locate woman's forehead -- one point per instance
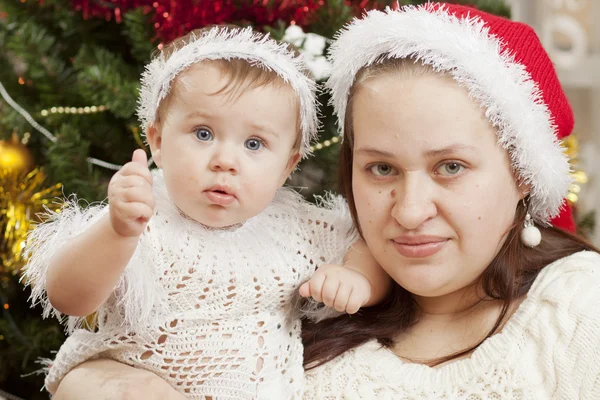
(431, 110)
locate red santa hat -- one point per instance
(503, 65)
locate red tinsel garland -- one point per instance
(175, 18)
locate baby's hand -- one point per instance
(130, 196)
(339, 287)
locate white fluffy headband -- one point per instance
(463, 48)
(232, 43)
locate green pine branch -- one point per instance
(140, 34)
(104, 78)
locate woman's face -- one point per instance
(435, 195)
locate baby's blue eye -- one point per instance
(203, 134)
(253, 144)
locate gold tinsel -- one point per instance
(22, 196)
(571, 145)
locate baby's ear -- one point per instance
(295, 158)
(154, 137)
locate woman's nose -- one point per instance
(414, 203)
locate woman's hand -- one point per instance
(111, 380)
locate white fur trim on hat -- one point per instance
(233, 43)
(464, 49)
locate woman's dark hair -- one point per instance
(508, 277)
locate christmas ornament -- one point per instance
(15, 156)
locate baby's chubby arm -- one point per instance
(358, 283)
(83, 273)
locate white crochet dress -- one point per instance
(549, 349)
(208, 310)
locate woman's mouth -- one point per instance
(419, 247)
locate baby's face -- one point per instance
(224, 157)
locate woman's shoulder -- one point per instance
(566, 294)
(351, 373)
(564, 322)
(359, 358)
(568, 277)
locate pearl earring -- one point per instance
(530, 235)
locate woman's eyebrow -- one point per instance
(370, 151)
(449, 150)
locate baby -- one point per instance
(190, 269)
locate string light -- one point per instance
(74, 110)
(6, 306)
(49, 134)
(326, 143)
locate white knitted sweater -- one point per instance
(549, 349)
(208, 310)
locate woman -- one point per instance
(452, 169)
(451, 118)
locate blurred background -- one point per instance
(69, 73)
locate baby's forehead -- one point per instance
(231, 79)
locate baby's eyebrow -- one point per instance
(197, 114)
(265, 129)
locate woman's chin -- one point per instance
(426, 284)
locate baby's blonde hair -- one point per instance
(241, 76)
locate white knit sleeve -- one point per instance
(45, 239)
(581, 328)
(571, 337)
(329, 228)
(137, 294)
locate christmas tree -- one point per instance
(69, 74)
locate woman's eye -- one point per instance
(382, 169)
(203, 134)
(253, 144)
(450, 169)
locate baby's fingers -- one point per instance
(341, 298)
(316, 286)
(355, 302)
(329, 292)
(136, 211)
(138, 195)
(305, 289)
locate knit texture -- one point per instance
(221, 324)
(549, 349)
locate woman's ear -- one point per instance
(523, 187)
(154, 137)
